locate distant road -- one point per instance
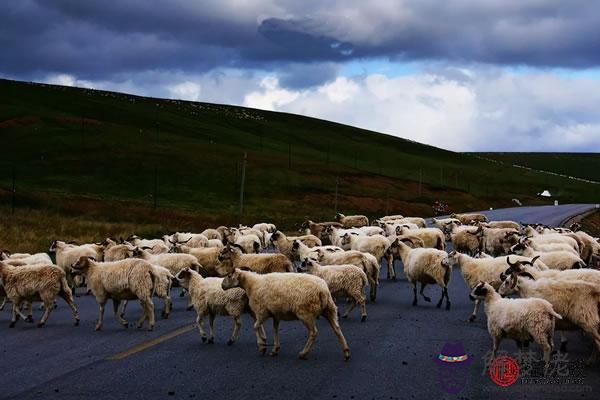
(392, 352)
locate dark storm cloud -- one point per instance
(99, 39)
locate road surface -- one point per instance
(392, 352)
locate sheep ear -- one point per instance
(245, 269)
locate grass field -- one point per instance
(88, 162)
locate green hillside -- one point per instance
(581, 165)
(106, 157)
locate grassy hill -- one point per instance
(90, 163)
(581, 165)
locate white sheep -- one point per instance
(343, 281)
(576, 301)
(300, 251)
(365, 261)
(155, 246)
(376, 245)
(209, 298)
(554, 259)
(518, 319)
(120, 280)
(352, 221)
(426, 265)
(231, 257)
(34, 283)
(287, 296)
(283, 244)
(432, 237)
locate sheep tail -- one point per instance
(554, 313)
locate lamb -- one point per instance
(554, 260)
(287, 296)
(466, 219)
(519, 319)
(284, 244)
(489, 270)
(347, 281)
(426, 265)
(33, 283)
(120, 280)
(577, 301)
(352, 221)
(432, 237)
(376, 245)
(365, 261)
(209, 298)
(260, 263)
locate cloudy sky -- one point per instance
(466, 75)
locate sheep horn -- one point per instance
(406, 240)
(512, 264)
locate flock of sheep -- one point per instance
(260, 271)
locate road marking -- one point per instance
(151, 343)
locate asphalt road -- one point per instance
(392, 352)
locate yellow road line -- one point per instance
(143, 346)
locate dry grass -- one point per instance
(591, 224)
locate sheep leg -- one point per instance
(14, 316)
(349, 308)
(276, 343)
(148, 314)
(200, 324)
(118, 316)
(447, 298)
(495, 343)
(21, 315)
(545, 344)
(48, 304)
(439, 303)
(331, 315)
(211, 328)
(124, 308)
(167, 308)
(237, 324)
(29, 306)
(68, 298)
(3, 304)
(427, 299)
(563, 342)
(261, 338)
(311, 326)
(100, 315)
(473, 316)
(414, 303)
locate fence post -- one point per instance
(242, 187)
(290, 155)
(420, 180)
(155, 195)
(12, 200)
(337, 182)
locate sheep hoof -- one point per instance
(472, 318)
(29, 319)
(164, 315)
(150, 328)
(303, 356)
(447, 305)
(427, 299)
(181, 294)
(274, 353)
(346, 355)
(203, 339)
(230, 342)
(98, 327)
(344, 316)
(77, 322)
(189, 308)
(40, 324)
(122, 315)
(363, 318)
(262, 351)
(211, 341)
(11, 325)
(126, 325)
(414, 303)
(373, 298)
(394, 278)
(439, 304)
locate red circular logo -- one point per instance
(504, 371)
